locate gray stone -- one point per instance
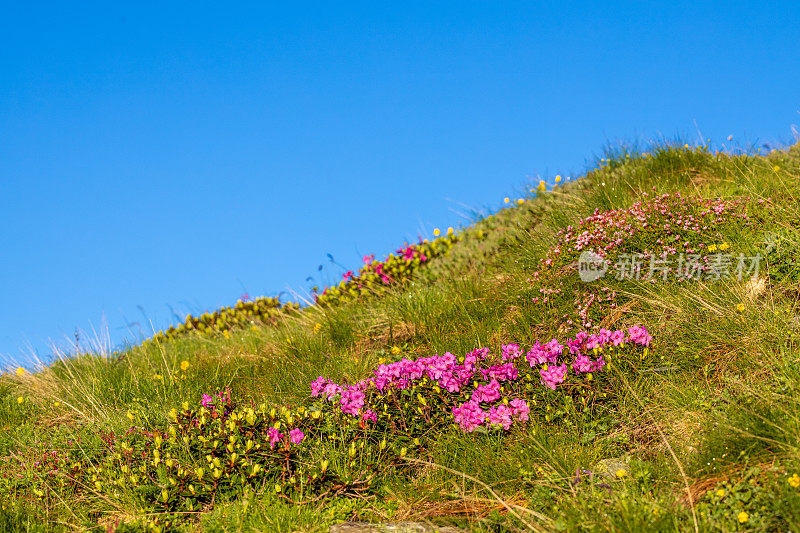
(393, 527)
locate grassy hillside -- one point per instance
(474, 380)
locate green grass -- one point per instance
(713, 407)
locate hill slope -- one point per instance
(488, 386)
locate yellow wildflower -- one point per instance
(776, 168)
(542, 186)
(742, 517)
(712, 248)
(794, 480)
(686, 145)
(395, 350)
(558, 179)
(450, 231)
(740, 307)
(20, 399)
(20, 371)
(721, 493)
(506, 199)
(184, 365)
(724, 246)
(436, 232)
(520, 201)
(621, 473)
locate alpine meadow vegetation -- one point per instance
(477, 378)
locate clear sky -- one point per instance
(176, 155)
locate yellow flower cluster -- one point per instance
(722, 247)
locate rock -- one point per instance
(393, 527)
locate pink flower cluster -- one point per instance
(208, 400)
(470, 416)
(296, 436)
(455, 375)
(678, 216)
(667, 223)
(409, 253)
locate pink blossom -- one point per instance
(592, 342)
(331, 390)
(521, 409)
(487, 393)
(351, 401)
(296, 436)
(583, 363)
(639, 335)
(500, 416)
(509, 352)
(469, 415)
(274, 436)
(317, 386)
(553, 375)
(504, 372)
(369, 415)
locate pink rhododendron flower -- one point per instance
(500, 415)
(487, 393)
(504, 372)
(583, 364)
(554, 348)
(369, 415)
(544, 353)
(352, 401)
(296, 436)
(469, 374)
(639, 335)
(509, 352)
(274, 436)
(553, 375)
(521, 409)
(592, 342)
(331, 390)
(469, 415)
(317, 386)
(207, 400)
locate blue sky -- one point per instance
(157, 157)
